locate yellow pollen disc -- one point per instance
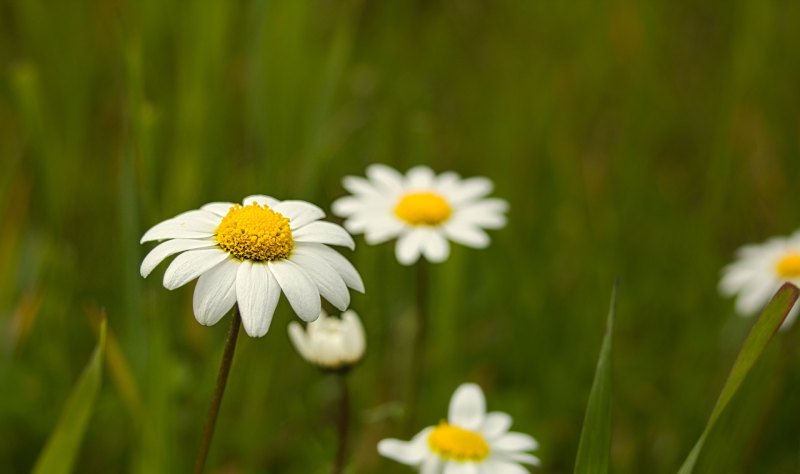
(255, 232)
(789, 266)
(423, 208)
(458, 444)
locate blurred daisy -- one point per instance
(471, 441)
(330, 343)
(759, 271)
(248, 254)
(421, 209)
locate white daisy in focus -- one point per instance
(249, 254)
(424, 211)
(759, 272)
(471, 441)
(330, 343)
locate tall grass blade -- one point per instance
(595, 441)
(768, 322)
(62, 447)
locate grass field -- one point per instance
(643, 141)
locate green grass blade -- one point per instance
(64, 443)
(767, 324)
(595, 441)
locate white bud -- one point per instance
(329, 342)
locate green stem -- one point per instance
(343, 424)
(419, 356)
(219, 391)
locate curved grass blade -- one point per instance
(767, 324)
(595, 443)
(58, 455)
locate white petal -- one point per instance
(386, 179)
(219, 208)
(171, 247)
(190, 265)
(487, 213)
(736, 277)
(419, 177)
(755, 296)
(791, 317)
(324, 233)
(343, 266)
(515, 442)
(401, 451)
(383, 229)
(466, 234)
(370, 218)
(215, 292)
(471, 189)
(467, 407)
(409, 246)
(522, 457)
(447, 182)
(314, 328)
(359, 223)
(257, 294)
(299, 213)
(435, 247)
(328, 350)
(499, 466)
(298, 287)
(431, 465)
(196, 224)
(407, 452)
(348, 205)
(495, 424)
(329, 283)
(454, 467)
(360, 187)
(355, 339)
(300, 339)
(260, 199)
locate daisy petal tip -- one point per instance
(258, 331)
(144, 272)
(147, 237)
(392, 448)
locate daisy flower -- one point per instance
(424, 211)
(471, 441)
(759, 271)
(330, 343)
(249, 254)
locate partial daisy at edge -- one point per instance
(759, 271)
(469, 441)
(249, 254)
(424, 211)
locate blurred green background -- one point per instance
(639, 140)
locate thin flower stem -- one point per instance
(219, 391)
(420, 345)
(342, 424)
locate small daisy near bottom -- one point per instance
(249, 254)
(469, 441)
(422, 210)
(758, 273)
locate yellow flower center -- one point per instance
(423, 208)
(789, 266)
(458, 444)
(255, 232)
